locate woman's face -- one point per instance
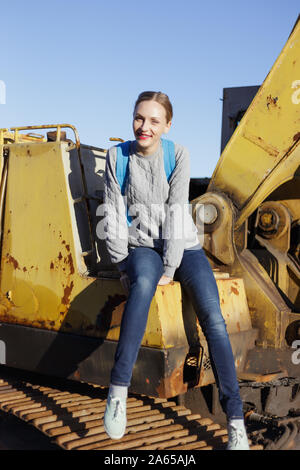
(149, 123)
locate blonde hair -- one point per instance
(160, 98)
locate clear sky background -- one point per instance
(84, 62)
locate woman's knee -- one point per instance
(213, 324)
(145, 284)
(145, 267)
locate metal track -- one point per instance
(74, 420)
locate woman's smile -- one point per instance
(143, 136)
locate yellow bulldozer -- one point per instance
(61, 299)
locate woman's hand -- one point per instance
(164, 280)
(125, 281)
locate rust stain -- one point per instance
(51, 265)
(68, 247)
(271, 101)
(234, 290)
(6, 303)
(70, 260)
(67, 292)
(67, 260)
(12, 260)
(296, 137)
(76, 374)
(238, 326)
(257, 140)
(172, 385)
(7, 316)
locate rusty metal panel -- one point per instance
(45, 281)
(41, 251)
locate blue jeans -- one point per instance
(144, 268)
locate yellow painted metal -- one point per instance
(37, 262)
(261, 155)
(258, 175)
(165, 326)
(44, 280)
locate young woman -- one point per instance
(150, 253)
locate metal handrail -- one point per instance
(48, 126)
(2, 135)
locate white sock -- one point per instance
(119, 391)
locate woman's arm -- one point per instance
(115, 214)
(174, 224)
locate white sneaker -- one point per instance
(237, 435)
(115, 417)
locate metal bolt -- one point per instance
(268, 220)
(208, 214)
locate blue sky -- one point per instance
(84, 62)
